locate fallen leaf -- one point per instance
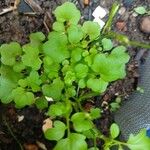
(47, 123)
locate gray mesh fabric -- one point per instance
(134, 113)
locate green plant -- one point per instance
(115, 105)
(141, 10)
(72, 65)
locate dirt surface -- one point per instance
(16, 26)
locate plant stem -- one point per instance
(88, 95)
(12, 134)
(68, 125)
(79, 105)
(112, 13)
(139, 44)
(125, 40)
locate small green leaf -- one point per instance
(57, 132)
(92, 29)
(56, 47)
(9, 53)
(82, 83)
(8, 82)
(97, 85)
(51, 68)
(69, 78)
(81, 70)
(41, 103)
(37, 37)
(81, 121)
(70, 91)
(5, 95)
(53, 90)
(22, 97)
(140, 10)
(76, 54)
(95, 113)
(73, 142)
(107, 44)
(57, 109)
(139, 141)
(31, 58)
(67, 13)
(58, 26)
(111, 66)
(34, 81)
(74, 34)
(114, 130)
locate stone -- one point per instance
(145, 24)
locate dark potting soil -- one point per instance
(16, 26)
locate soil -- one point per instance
(17, 25)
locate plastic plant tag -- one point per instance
(99, 21)
(99, 12)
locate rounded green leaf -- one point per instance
(74, 34)
(92, 29)
(97, 85)
(53, 90)
(58, 26)
(81, 70)
(9, 53)
(76, 54)
(56, 47)
(81, 121)
(140, 10)
(95, 113)
(31, 57)
(114, 130)
(139, 142)
(41, 103)
(67, 13)
(107, 44)
(57, 109)
(73, 142)
(57, 132)
(22, 97)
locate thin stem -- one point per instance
(139, 44)
(12, 134)
(79, 105)
(88, 95)
(125, 40)
(95, 143)
(68, 125)
(112, 14)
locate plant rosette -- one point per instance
(72, 64)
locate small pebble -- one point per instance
(121, 25)
(20, 118)
(122, 10)
(145, 24)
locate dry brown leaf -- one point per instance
(47, 124)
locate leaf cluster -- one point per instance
(73, 63)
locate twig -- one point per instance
(35, 7)
(12, 134)
(11, 8)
